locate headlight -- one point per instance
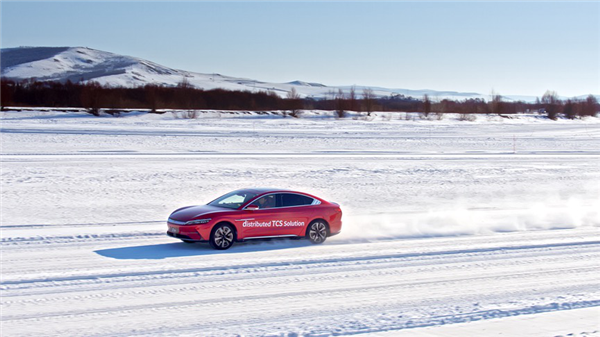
(197, 222)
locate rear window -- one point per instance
(289, 199)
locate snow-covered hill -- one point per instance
(85, 64)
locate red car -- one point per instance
(256, 213)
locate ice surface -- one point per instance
(451, 225)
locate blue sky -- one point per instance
(511, 47)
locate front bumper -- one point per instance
(185, 237)
(190, 233)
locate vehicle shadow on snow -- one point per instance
(180, 249)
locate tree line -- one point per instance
(93, 96)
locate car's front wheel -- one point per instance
(317, 231)
(221, 237)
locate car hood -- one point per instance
(191, 212)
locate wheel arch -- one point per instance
(315, 220)
(225, 222)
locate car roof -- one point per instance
(265, 190)
(261, 190)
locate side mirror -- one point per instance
(251, 207)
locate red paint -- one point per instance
(283, 217)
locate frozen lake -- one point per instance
(446, 222)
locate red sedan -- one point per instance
(256, 213)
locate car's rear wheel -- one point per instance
(317, 231)
(221, 237)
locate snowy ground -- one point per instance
(450, 228)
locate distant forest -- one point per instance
(93, 96)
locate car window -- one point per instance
(233, 200)
(268, 201)
(290, 199)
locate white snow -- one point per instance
(79, 63)
(574, 323)
(451, 228)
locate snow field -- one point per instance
(445, 227)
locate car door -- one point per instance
(295, 212)
(260, 222)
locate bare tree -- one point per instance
(496, 105)
(551, 104)
(6, 93)
(569, 110)
(368, 100)
(591, 106)
(340, 104)
(331, 99)
(294, 103)
(150, 91)
(184, 83)
(90, 97)
(426, 105)
(185, 94)
(446, 106)
(353, 104)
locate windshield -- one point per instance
(234, 199)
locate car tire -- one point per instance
(317, 231)
(222, 237)
(188, 241)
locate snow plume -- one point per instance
(553, 214)
(459, 220)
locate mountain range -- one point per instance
(81, 64)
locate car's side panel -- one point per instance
(255, 223)
(293, 220)
(279, 220)
(332, 214)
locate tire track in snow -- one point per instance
(75, 225)
(355, 291)
(259, 277)
(336, 260)
(71, 239)
(383, 285)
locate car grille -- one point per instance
(181, 236)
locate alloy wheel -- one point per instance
(317, 232)
(223, 237)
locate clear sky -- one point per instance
(516, 48)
